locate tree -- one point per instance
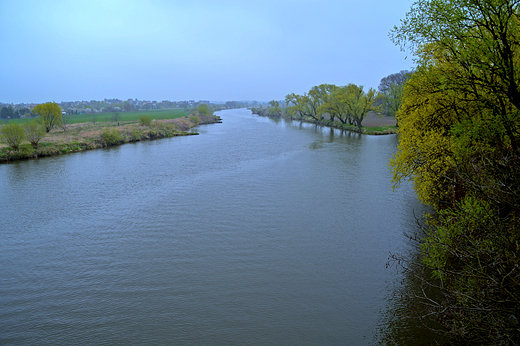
(391, 91)
(274, 110)
(34, 132)
(316, 97)
(24, 111)
(359, 103)
(203, 109)
(424, 152)
(127, 106)
(479, 42)
(12, 134)
(337, 105)
(398, 78)
(145, 120)
(116, 116)
(308, 104)
(65, 122)
(50, 113)
(349, 103)
(459, 143)
(298, 105)
(6, 112)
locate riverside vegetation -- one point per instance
(52, 134)
(343, 107)
(459, 143)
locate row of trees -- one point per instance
(346, 104)
(14, 134)
(459, 144)
(10, 112)
(50, 116)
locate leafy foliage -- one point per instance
(116, 117)
(12, 134)
(274, 110)
(145, 120)
(50, 113)
(194, 119)
(34, 132)
(111, 136)
(459, 144)
(391, 91)
(349, 103)
(6, 112)
(204, 109)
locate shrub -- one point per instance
(26, 150)
(12, 134)
(195, 119)
(34, 132)
(159, 125)
(145, 120)
(136, 135)
(111, 136)
(203, 109)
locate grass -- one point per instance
(80, 136)
(155, 114)
(381, 130)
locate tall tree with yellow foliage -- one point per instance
(50, 114)
(459, 144)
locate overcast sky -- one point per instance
(53, 50)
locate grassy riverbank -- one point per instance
(80, 136)
(372, 123)
(157, 114)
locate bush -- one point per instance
(136, 135)
(195, 119)
(159, 125)
(34, 132)
(145, 120)
(12, 134)
(111, 136)
(203, 109)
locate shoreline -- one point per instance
(370, 121)
(88, 136)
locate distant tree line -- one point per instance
(9, 112)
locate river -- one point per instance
(255, 232)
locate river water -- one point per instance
(255, 232)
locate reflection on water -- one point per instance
(406, 320)
(256, 232)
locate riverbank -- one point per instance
(372, 124)
(88, 136)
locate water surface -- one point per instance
(255, 232)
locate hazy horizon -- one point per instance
(198, 50)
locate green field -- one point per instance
(158, 114)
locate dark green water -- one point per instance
(256, 232)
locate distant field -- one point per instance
(159, 114)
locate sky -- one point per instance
(220, 50)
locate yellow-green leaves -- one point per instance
(12, 134)
(50, 113)
(348, 103)
(34, 132)
(459, 141)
